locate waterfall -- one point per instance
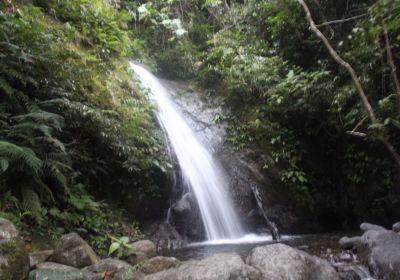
(199, 170)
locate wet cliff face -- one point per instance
(244, 173)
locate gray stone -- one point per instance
(348, 243)
(158, 264)
(114, 269)
(55, 271)
(134, 258)
(14, 259)
(40, 257)
(367, 226)
(379, 250)
(143, 246)
(281, 262)
(396, 227)
(72, 250)
(224, 266)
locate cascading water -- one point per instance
(199, 170)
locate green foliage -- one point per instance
(287, 99)
(73, 126)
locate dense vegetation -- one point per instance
(75, 129)
(290, 102)
(73, 125)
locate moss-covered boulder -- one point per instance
(14, 259)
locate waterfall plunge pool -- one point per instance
(315, 244)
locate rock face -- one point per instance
(225, 266)
(72, 250)
(165, 236)
(379, 249)
(14, 259)
(280, 262)
(158, 264)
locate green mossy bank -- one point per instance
(78, 139)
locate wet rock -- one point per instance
(346, 256)
(349, 243)
(353, 271)
(143, 246)
(279, 261)
(72, 250)
(40, 257)
(367, 226)
(224, 266)
(158, 264)
(114, 269)
(379, 250)
(14, 259)
(165, 236)
(55, 271)
(396, 227)
(186, 218)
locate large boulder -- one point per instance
(158, 264)
(280, 262)
(72, 250)
(14, 259)
(367, 226)
(55, 271)
(379, 249)
(114, 269)
(224, 266)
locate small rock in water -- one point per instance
(303, 247)
(349, 243)
(367, 226)
(396, 227)
(346, 256)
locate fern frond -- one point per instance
(6, 87)
(22, 155)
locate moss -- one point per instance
(17, 258)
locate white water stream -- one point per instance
(196, 162)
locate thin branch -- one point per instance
(338, 59)
(355, 133)
(393, 67)
(364, 99)
(340, 20)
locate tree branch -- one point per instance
(364, 99)
(340, 20)
(393, 67)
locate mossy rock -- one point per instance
(14, 259)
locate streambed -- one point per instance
(320, 245)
